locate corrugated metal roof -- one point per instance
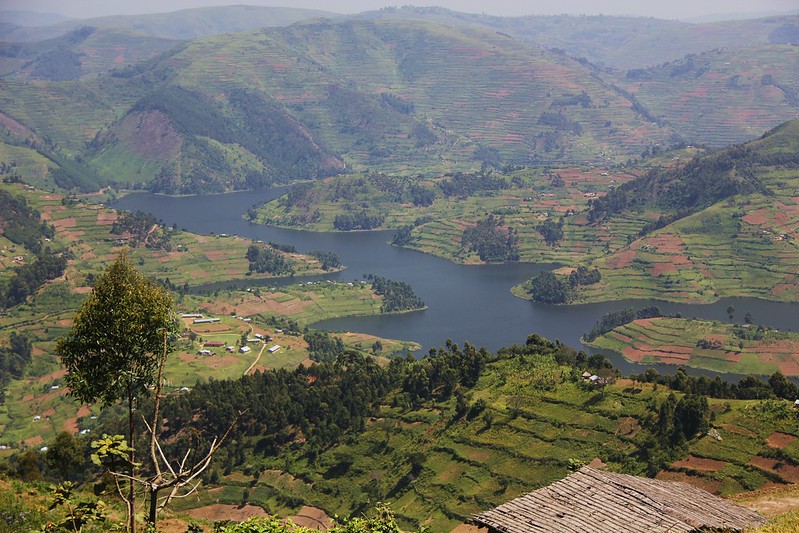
(592, 500)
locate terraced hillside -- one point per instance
(722, 225)
(740, 349)
(724, 96)
(524, 424)
(307, 100)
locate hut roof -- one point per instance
(592, 500)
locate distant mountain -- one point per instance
(83, 51)
(614, 42)
(179, 25)
(320, 97)
(31, 18)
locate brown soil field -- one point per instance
(702, 482)
(220, 511)
(699, 464)
(779, 440)
(787, 472)
(756, 218)
(312, 518)
(106, 218)
(667, 244)
(34, 441)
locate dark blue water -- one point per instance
(465, 303)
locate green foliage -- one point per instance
(397, 295)
(551, 231)
(549, 288)
(110, 447)
(615, 319)
(22, 224)
(264, 259)
(362, 220)
(322, 346)
(382, 521)
(329, 260)
(491, 241)
(28, 278)
(77, 514)
(112, 350)
(65, 456)
(14, 359)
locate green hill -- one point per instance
(398, 96)
(722, 225)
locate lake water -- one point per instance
(465, 303)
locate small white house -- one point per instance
(245, 349)
(204, 352)
(274, 348)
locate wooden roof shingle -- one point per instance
(594, 501)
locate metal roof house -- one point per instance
(595, 501)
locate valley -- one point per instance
(416, 256)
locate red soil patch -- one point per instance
(702, 482)
(52, 376)
(779, 440)
(734, 356)
(71, 425)
(623, 338)
(466, 528)
(667, 244)
(216, 255)
(787, 472)
(27, 398)
(677, 349)
(220, 511)
(312, 518)
(789, 368)
(661, 268)
(755, 218)
(65, 223)
(738, 430)
(33, 441)
(106, 218)
(699, 464)
(628, 426)
(621, 259)
(633, 354)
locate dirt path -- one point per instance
(263, 347)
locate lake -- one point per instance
(465, 303)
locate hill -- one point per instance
(615, 42)
(309, 99)
(724, 96)
(177, 25)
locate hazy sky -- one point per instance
(650, 8)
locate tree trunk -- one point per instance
(153, 490)
(131, 458)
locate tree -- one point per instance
(112, 351)
(65, 455)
